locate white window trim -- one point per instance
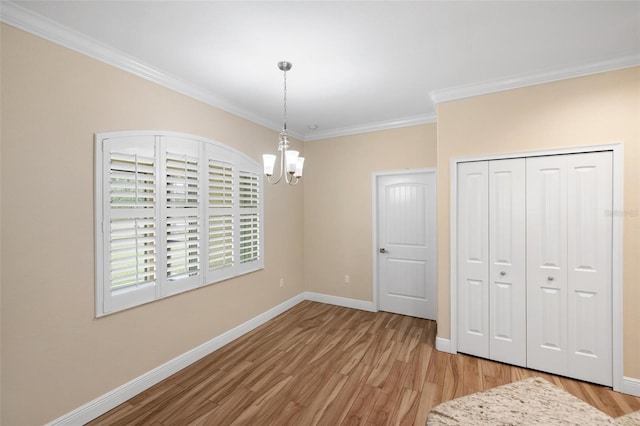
(108, 301)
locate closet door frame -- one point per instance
(451, 345)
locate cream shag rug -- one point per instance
(532, 401)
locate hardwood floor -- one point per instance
(328, 365)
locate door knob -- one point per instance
(503, 273)
(383, 250)
(549, 278)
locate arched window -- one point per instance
(173, 212)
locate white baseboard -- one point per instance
(340, 301)
(443, 345)
(112, 399)
(631, 386)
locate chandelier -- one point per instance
(290, 162)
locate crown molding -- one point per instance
(26, 20)
(476, 89)
(372, 127)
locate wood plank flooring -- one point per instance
(328, 365)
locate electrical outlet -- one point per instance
(347, 279)
(281, 282)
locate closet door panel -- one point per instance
(589, 266)
(507, 278)
(546, 190)
(473, 259)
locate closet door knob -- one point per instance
(549, 278)
(503, 273)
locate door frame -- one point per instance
(375, 177)
(616, 259)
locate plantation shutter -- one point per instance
(182, 215)
(250, 241)
(173, 212)
(220, 215)
(130, 225)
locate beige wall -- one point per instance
(337, 203)
(55, 355)
(598, 109)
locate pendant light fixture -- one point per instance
(290, 162)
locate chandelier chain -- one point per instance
(284, 123)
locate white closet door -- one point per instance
(547, 264)
(569, 225)
(507, 275)
(589, 266)
(473, 258)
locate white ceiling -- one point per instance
(357, 65)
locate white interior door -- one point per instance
(473, 258)
(407, 244)
(507, 273)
